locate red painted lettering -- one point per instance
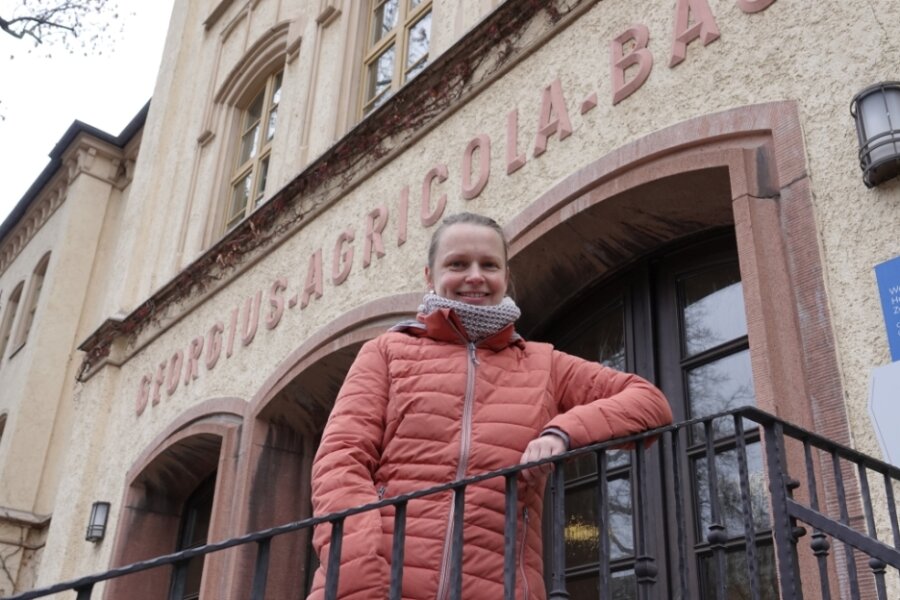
(552, 103)
(402, 215)
(158, 381)
(754, 6)
(704, 27)
(214, 345)
(194, 352)
(514, 161)
(620, 61)
(250, 318)
(174, 375)
(481, 144)
(342, 258)
(143, 395)
(276, 302)
(232, 327)
(430, 217)
(313, 284)
(376, 221)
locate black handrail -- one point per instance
(673, 444)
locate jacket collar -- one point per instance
(443, 325)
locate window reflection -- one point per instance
(737, 576)
(581, 531)
(417, 49)
(729, 492)
(622, 586)
(385, 19)
(398, 48)
(380, 73)
(713, 308)
(719, 386)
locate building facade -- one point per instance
(179, 304)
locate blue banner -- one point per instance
(888, 276)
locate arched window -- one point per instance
(397, 44)
(34, 292)
(9, 316)
(253, 151)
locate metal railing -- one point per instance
(731, 526)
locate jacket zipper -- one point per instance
(522, 572)
(464, 448)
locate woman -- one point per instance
(455, 393)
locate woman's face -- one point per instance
(469, 265)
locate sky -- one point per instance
(40, 97)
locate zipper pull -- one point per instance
(381, 491)
(472, 355)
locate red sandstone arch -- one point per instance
(203, 440)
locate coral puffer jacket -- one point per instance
(420, 407)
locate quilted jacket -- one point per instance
(421, 407)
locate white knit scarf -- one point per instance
(480, 321)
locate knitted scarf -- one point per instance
(480, 321)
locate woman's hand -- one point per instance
(541, 447)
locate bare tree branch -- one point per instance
(76, 25)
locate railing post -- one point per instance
(84, 593)
(397, 551)
(717, 535)
(746, 508)
(509, 537)
(645, 568)
(781, 522)
(680, 513)
(261, 572)
(603, 579)
(456, 549)
(334, 559)
(557, 534)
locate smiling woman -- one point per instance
(453, 393)
(33, 112)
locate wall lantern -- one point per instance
(97, 524)
(876, 111)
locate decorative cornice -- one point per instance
(494, 46)
(50, 188)
(85, 155)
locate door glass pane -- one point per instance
(584, 587)
(600, 338)
(581, 531)
(385, 19)
(719, 386)
(737, 578)
(712, 308)
(729, 492)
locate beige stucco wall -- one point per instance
(786, 52)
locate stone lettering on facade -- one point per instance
(628, 51)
